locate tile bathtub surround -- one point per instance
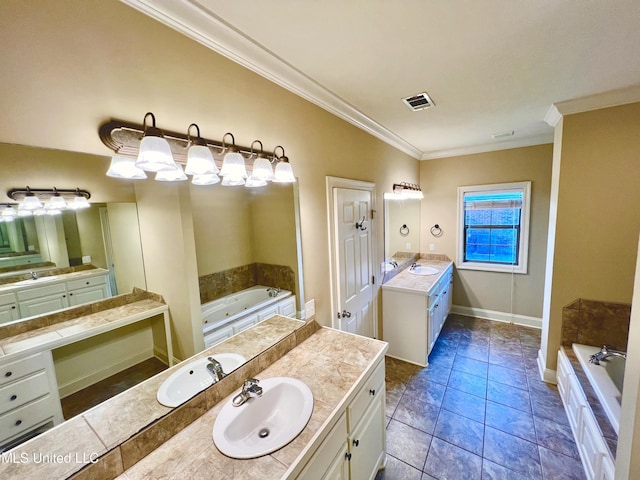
(591, 322)
(479, 410)
(46, 320)
(220, 284)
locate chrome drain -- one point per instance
(263, 433)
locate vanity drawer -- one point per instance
(373, 387)
(86, 282)
(44, 291)
(13, 371)
(15, 394)
(25, 417)
(8, 298)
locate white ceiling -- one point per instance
(490, 66)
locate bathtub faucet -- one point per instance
(273, 292)
(604, 353)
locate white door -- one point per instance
(352, 216)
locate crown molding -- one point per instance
(490, 147)
(608, 99)
(200, 24)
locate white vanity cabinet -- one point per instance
(355, 447)
(88, 290)
(29, 401)
(412, 319)
(39, 300)
(8, 307)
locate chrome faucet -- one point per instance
(394, 263)
(413, 266)
(250, 389)
(215, 369)
(273, 292)
(604, 353)
(34, 275)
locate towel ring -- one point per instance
(404, 230)
(436, 231)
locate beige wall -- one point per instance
(397, 214)
(598, 219)
(440, 180)
(74, 66)
(91, 240)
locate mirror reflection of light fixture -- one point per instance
(32, 201)
(199, 157)
(233, 171)
(56, 202)
(123, 167)
(155, 152)
(175, 175)
(283, 171)
(8, 213)
(209, 179)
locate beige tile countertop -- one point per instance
(50, 279)
(422, 284)
(330, 362)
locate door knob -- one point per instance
(344, 314)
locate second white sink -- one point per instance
(194, 377)
(264, 424)
(423, 270)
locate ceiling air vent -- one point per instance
(419, 101)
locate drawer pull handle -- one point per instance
(347, 456)
(18, 423)
(13, 397)
(372, 391)
(8, 374)
(356, 442)
(87, 283)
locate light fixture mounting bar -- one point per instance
(46, 193)
(124, 139)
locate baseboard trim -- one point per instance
(546, 374)
(94, 377)
(514, 318)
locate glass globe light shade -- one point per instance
(284, 173)
(254, 182)
(233, 166)
(232, 181)
(30, 202)
(79, 202)
(262, 170)
(200, 161)
(56, 202)
(122, 167)
(175, 175)
(155, 155)
(209, 179)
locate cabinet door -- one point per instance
(330, 461)
(8, 313)
(40, 305)
(366, 442)
(87, 295)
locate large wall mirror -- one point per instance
(401, 229)
(233, 227)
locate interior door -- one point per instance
(352, 214)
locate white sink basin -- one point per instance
(264, 424)
(33, 281)
(194, 377)
(423, 270)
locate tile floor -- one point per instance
(478, 411)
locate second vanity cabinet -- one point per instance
(8, 307)
(29, 401)
(412, 318)
(355, 447)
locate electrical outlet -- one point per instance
(310, 308)
(408, 246)
(432, 247)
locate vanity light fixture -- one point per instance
(407, 190)
(262, 171)
(30, 201)
(283, 171)
(233, 171)
(199, 157)
(206, 160)
(123, 167)
(176, 175)
(8, 213)
(155, 152)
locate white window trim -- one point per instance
(523, 248)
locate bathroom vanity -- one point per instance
(414, 309)
(29, 398)
(44, 294)
(133, 436)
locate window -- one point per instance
(493, 230)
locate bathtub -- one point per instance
(229, 315)
(606, 380)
